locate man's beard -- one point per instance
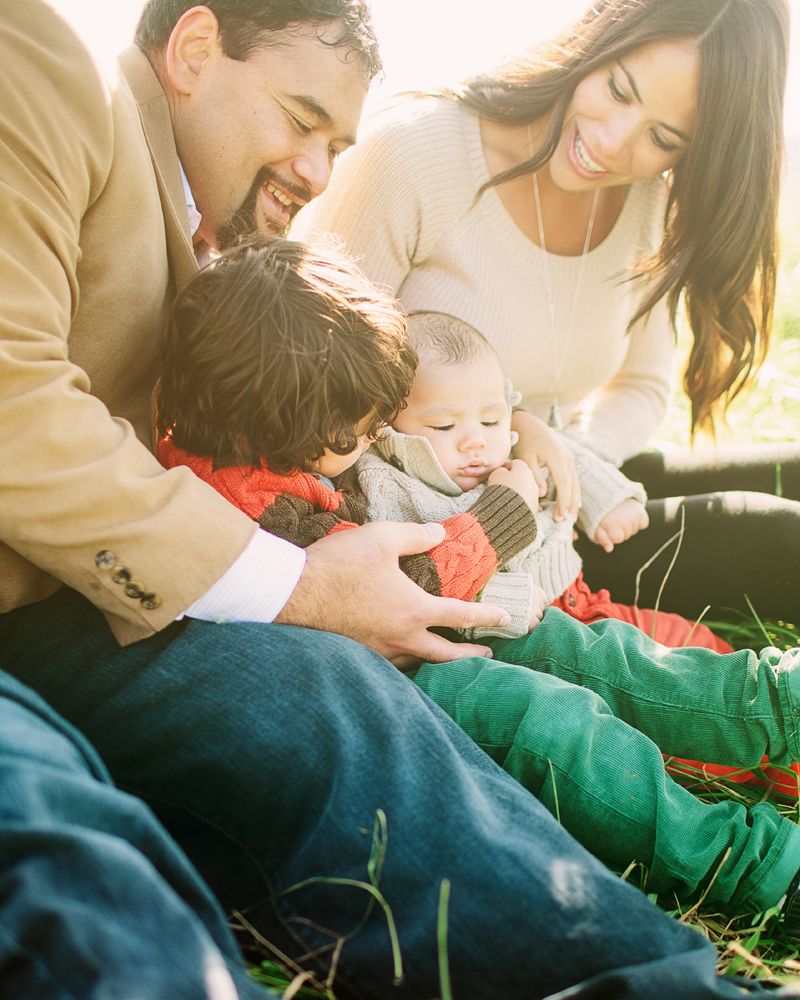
(242, 224)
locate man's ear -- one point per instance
(193, 47)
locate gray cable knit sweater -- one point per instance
(403, 481)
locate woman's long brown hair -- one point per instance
(720, 246)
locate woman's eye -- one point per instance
(616, 92)
(442, 427)
(663, 144)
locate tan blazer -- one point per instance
(93, 243)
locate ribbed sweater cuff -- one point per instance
(603, 488)
(512, 592)
(507, 520)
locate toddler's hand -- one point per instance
(517, 476)
(538, 603)
(622, 523)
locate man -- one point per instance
(301, 771)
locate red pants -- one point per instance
(671, 630)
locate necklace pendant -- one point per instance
(554, 417)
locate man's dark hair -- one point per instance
(244, 24)
(278, 351)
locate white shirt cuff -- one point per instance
(256, 587)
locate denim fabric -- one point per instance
(282, 745)
(95, 900)
(559, 716)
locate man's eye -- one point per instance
(302, 127)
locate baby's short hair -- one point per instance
(278, 351)
(448, 339)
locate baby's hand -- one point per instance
(517, 476)
(620, 524)
(538, 603)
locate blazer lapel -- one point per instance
(157, 127)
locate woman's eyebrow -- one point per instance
(638, 96)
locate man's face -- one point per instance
(257, 138)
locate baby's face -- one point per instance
(462, 410)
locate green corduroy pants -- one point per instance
(581, 715)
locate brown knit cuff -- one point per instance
(507, 520)
(421, 568)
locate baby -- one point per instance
(454, 438)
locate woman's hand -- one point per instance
(624, 521)
(541, 448)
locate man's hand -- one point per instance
(352, 584)
(518, 476)
(624, 521)
(540, 447)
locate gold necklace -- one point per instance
(559, 355)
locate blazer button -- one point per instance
(105, 559)
(150, 602)
(121, 574)
(134, 590)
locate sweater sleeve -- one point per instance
(603, 487)
(623, 415)
(391, 196)
(476, 544)
(513, 593)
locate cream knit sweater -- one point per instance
(403, 480)
(403, 200)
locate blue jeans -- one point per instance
(95, 899)
(271, 750)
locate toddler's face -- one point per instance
(332, 465)
(462, 410)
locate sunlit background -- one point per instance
(424, 42)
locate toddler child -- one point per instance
(281, 365)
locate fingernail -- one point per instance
(436, 531)
(488, 654)
(505, 620)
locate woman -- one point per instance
(563, 205)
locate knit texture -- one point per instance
(302, 508)
(403, 200)
(394, 494)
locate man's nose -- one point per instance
(313, 167)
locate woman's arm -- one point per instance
(623, 415)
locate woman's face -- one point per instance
(630, 119)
